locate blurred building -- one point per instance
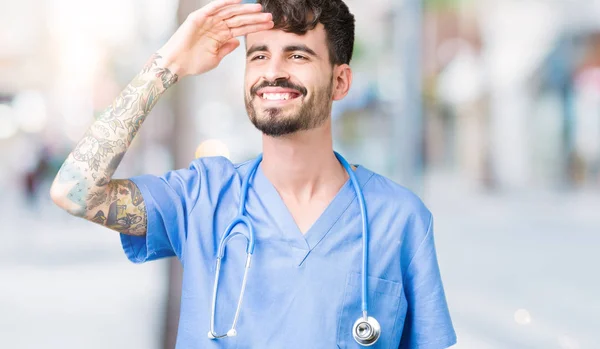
(487, 67)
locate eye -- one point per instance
(298, 57)
(258, 57)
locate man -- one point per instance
(304, 286)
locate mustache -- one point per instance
(278, 83)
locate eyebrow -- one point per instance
(255, 48)
(289, 48)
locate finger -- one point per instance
(228, 47)
(253, 18)
(234, 10)
(216, 5)
(251, 28)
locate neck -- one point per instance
(303, 164)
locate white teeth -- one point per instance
(277, 96)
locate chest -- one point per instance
(284, 300)
(299, 283)
(306, 214)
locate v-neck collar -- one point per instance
(302, 244)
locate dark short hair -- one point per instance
(300, 16)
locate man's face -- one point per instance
(289, 81)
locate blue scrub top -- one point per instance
(303, 290)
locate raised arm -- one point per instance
(84, 186)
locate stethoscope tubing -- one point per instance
(250, 238)
(365, 231)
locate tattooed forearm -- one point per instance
(85, 177)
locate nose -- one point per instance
(275, 70)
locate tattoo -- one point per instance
(168, 79)
(101, 130)
(127, 211)
(96, 199)
(151, 63)
(99, 218)
(109, 117)
(136, 195)
(150, 100)
(133, 127)
(70, 173)
(117, 204)
(92, 149)
(114, 163)
(102, 181)
(127, 103)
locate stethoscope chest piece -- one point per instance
(366, 331)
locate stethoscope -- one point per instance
(366, 330)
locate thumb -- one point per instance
(228, 47)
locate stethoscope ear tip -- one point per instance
(231, 333)
(210, 335)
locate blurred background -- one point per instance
(487, 109)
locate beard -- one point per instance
(275, 122)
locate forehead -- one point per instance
(276, 39)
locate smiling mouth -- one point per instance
(279, 96)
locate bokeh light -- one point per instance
(522, 317)
(8, 124)
(212, 147)
(30, 111)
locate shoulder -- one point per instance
(398, 216)
(217, 175)
(383, 191)
(218, 168)
(206, 179)
(213, 163)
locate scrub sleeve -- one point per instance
(168, 199)
(428, 324)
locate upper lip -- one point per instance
(277, 90)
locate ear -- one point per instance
(342, 75)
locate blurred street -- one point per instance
(520, 272)
(66, 284)
(521, 269)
